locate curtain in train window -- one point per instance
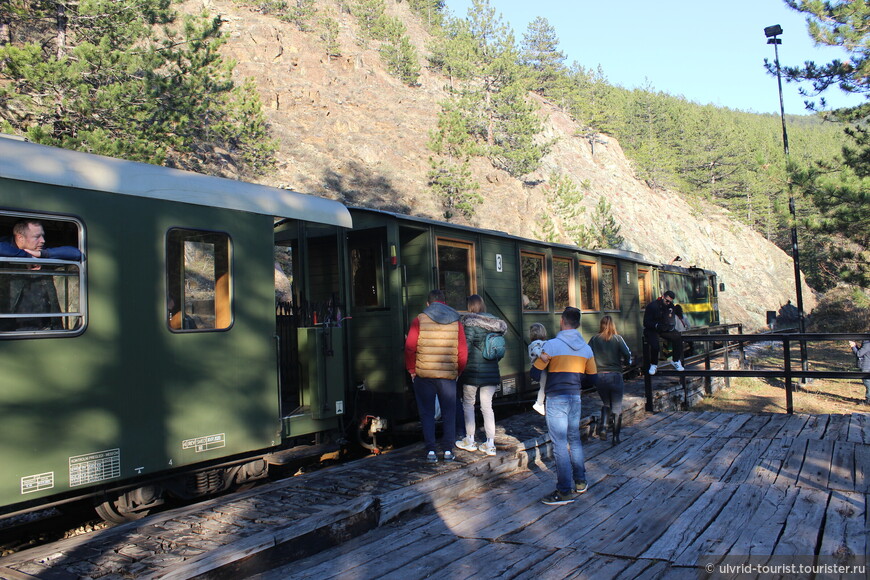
(563, 283)
(644, 287)
(609, 288)
(588, 286)
(456, 271)
(533, 286)
(198, 280)
(41, 296)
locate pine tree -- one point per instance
(123, 78)
(842, 191)
(540, 52)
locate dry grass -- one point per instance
(821, 396)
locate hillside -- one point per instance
(350, 131)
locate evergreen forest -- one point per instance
(132, 79)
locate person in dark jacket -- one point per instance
(435, 355)
(34, 293)
(610, 353)
(862, 351)
(481, 375)
(658, 322)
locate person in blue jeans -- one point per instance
(570, 365)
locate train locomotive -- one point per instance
(215, 328)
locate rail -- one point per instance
(738, 341)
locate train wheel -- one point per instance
(118, 508)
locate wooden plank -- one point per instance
(816, 468)
(662, 464)
(492, 560)
(720, 463)
(752, 426)
(859, 428)
(760, 533)
(655, 454)
(538, 520)
(838, 427)
(422, 565)
(815, 427)
(719, 535)
(845, 533)
(714, 426)
(804, 522)
(842, 467)
(562, 563)
(770, 463)
(694, 461)
(774, 424)
(793, 426)
(686, 528)
(689, 423)
(862, 468)
(791, 466)
(634, 527)
(737, 421)
(746, 461)
(560, 530)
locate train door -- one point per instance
(310, 300)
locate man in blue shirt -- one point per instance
(570, 364)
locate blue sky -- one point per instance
(708, 51)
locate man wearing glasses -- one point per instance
(658, 322)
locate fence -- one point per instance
(732, 342)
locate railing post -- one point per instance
(708, 381)
(647, 380)
(742, 347)
(727, 358)
(786, 355)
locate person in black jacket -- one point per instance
(862, 351)
(658, 322)
(481, 374)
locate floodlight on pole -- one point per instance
(772, 33)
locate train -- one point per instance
(215, 329)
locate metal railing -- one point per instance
(733, 342)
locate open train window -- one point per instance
(366, 249)
(42, 278)
(533, 281)
(198, 284)
(609, 288)
(588, 286)
(456, 271)
(644, 287)
(563, 283)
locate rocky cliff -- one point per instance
(349, 131)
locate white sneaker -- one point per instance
(652, 369)
(467, 443)
(488, 448)
(678, 366)
(540, 408)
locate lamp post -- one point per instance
(772, 32)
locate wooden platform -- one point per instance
(682, 490)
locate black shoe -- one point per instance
(558, 498)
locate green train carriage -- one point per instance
(166, 359)
(395, 260)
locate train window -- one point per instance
(563, 283)
(44, 295)
(699, 287)
(198, 280)
(609, 288)
(534, 290)
(366, 250)
(644, 288)
(588, 286)
(456, 271)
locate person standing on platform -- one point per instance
(658, 322)
(435, 355)
(610, 352)
(862, 351)
(481, 374)
(569, 364)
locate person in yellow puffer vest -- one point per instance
(435, 355)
